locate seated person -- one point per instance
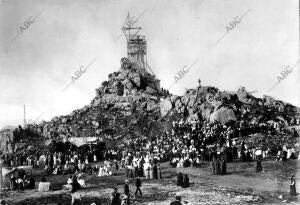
(68, 186)
(29, 183)
(70, 181)
(81, 182)
(179, 179)
(75, 184)
(59, 170)
(186, 163)
(186, 181)
(101, 171)
(177, 201)
(95, 170)
(43, 179)
(180, 163)
(76, 199)
(111, 172)
(13, 183)
(20, 183)
(21, 173)
(56, 170)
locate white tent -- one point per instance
(79, 141)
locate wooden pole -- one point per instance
(1, 177)
(24, 117)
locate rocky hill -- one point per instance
(225, 107)
(127, 104)
(132, 104)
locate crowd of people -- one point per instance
(21, 181)
(186, 143)
(183, 180)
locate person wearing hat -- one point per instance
(115, 197)
(179, 179)
(31, 184)
(75, 184)
(186, 181)
(243, 151)
(125, 200)
(76, 199)
(126, 188)
(177, 201)
(126, 171)
(159, 175)
(258, 160)
(234, 150)
(138, 184)
(151, 171)
(218, 167)
(13, 184)
(293, 186)
(155, 171)
(284, 152)
(223, 166)
(213, 166)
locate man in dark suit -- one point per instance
(126, 188)
(115, 197)
(177, 201)
(138, 184)
(179, 179)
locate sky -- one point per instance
(44, 44)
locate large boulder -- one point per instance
(136, 79)
(109, 97)
(192, 101)
(185, 100)
(120, 89)
(206, 110)
(173, 99)
(128, 84)
(151, 105)
(97, 101)
(179, 106)
(223, 115)
(150, 90)
(165, 106)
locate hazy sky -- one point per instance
(37, 62)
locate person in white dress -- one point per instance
(100, 171)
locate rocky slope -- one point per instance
(131, 103)
(214, 105)
(127, 104)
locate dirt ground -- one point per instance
(242, 185)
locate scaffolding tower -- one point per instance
(136, 45)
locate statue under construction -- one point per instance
(136, 45)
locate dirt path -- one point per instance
(269, 183)
(237, 181)
(241, 186)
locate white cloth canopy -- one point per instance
(258, 152)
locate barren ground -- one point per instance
(240, 186)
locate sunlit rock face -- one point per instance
(131, 100)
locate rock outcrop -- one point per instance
(131, 103)
(131, 98)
